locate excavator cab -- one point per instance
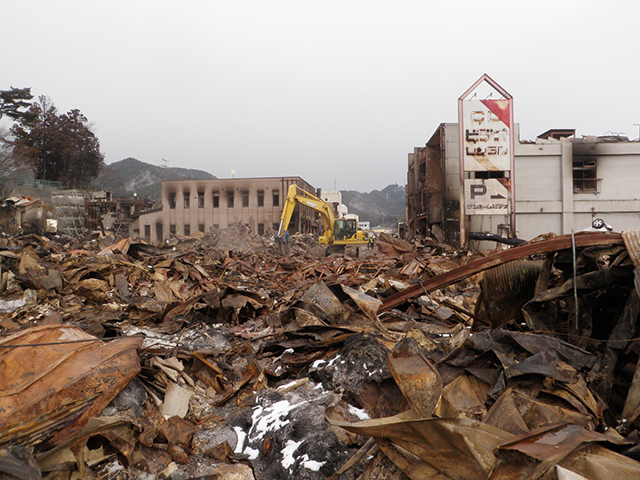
(345, 228)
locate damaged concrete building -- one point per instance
(560, 183)
(189, 206)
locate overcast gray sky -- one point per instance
(337, 92)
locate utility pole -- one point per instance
(166, 168)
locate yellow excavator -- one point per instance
(338, 233)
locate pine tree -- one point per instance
(57, 147)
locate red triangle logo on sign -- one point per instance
(500, 108)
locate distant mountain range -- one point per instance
(129, 176)
(380, 207)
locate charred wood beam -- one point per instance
(561, 242)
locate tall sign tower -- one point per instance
(486, 156)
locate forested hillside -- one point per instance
(133, 176)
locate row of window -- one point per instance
(187, 229)
(230, 197)
(585, 177)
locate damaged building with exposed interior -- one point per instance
(44, 207)
(189, 206)
(561, 183)
(476, 180)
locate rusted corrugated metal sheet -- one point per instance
(632, 242)
(54, 378)
(505, 289)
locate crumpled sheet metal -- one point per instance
(394, 247)
(368, 304)
(323, 302)
(535, 455)
(631, 409)
(458, 447)
(632, 242)
(419, 382)
(58, 377)
(519, 413)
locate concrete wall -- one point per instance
(545, 196)
(539, 189)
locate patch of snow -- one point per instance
(361, 414)
(241, 436)
(333, 360)
(287, 453)
(311, 464)
(287, 385)
(270, 418)
(252, 453)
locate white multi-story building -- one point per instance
(561, 183)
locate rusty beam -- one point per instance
(561, 242)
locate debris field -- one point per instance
(230, 356)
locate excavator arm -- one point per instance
(298, 195)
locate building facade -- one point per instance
(561, 183)
(189, 206)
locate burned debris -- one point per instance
(220, 355)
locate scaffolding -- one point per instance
(69, 209)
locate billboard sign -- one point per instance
(487, 135)
(486, 151)
(486, 196)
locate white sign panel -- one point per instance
(486, 196)
(486, 135)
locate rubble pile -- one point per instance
(228, 355)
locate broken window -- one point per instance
(245, 198)
(490, 174)
(261, 198)
(230, 199)
(159, 233)
(172, 200)
(201, 227)
(276, 198)
(147, 232)
(187, 229)
(172, 229)
(585, 178)
(186, 199)
(261, 229)
(216, 199)
(200, 199)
